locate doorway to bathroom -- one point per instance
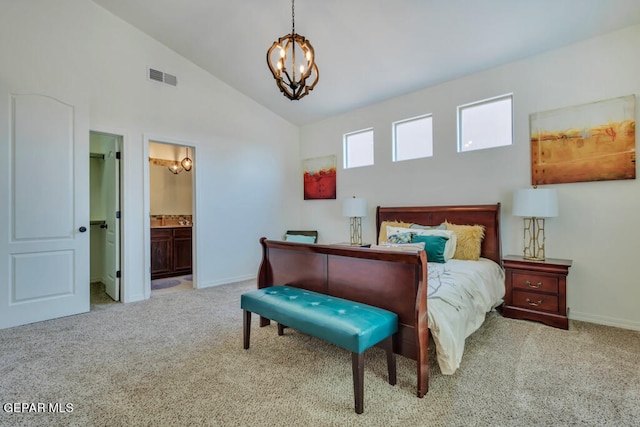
(171, 217)
(105, 229)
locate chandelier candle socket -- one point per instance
(281, 58)
(355, 209)
(535, 204)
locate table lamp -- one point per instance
(355, 209)
(535, 204)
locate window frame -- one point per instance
(345, 143)
(460, 110)
(394, 136)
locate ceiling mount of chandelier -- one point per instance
(295, 79)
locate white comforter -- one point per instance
(460, 295)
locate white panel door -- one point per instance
(111, 186)
(44, 193)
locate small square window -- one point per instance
(358, 148)
(413, 138)
(485, 124)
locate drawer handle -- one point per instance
(534, 303)
(531, 285)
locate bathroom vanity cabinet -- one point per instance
(170, 251)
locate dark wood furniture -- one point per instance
(395, 281)
(536, 290)
(170, 251)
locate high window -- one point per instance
(413, 138)
(358, 148)
(485, 124)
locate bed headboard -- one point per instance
(486, 215)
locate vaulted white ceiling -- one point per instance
(366, 50)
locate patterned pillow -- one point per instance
(382, 237)
(399, 238)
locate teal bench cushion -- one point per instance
(347, 324)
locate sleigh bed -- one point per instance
(451, 298)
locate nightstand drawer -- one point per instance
(535, 282)
(536, 301)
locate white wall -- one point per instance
(169, 194)
(246, 154)
(597, 227)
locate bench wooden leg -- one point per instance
(281, 329)
(246, 328)
(264, 321)
(387, 344)
(357, 366)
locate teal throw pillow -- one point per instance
(433, 245)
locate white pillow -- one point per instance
(449, 247)
(403, 247)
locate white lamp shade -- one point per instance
(354, 207)
(535, 202)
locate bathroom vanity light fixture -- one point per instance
(175, 168)
(187, 163)
(535, 204)
(291, 81)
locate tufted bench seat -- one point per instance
(347, 324)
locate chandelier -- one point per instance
(291, 81)
(187, 163)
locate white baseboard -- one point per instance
(227, 281)
(604, 320)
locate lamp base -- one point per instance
(355, 232)
(534, 239)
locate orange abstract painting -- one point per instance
(590, 142)
(320, 178)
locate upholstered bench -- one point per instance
(347, 324)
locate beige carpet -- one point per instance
(177, 360)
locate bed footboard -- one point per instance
(394, 281)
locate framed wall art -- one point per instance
(589, 142)
(320, 177)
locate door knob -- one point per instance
(82, 229)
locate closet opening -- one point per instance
(105, 210)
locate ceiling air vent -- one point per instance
(159, 76)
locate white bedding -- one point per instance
(460, 295)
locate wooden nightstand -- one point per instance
(536, 290)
